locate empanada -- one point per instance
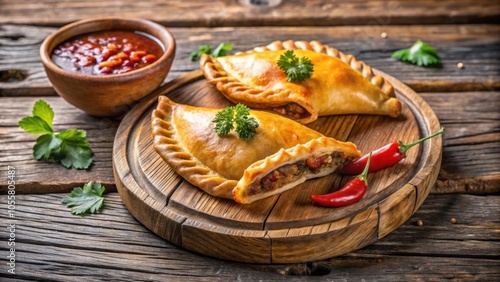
(281, 154)
(340, 84)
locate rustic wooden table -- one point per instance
(52, 244)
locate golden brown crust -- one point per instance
(184, 137)
(238, 92)
(166, 143)
(319, 47)
(258, 96)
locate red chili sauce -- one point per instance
(107, 52)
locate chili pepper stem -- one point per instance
(403, 148)
(363, 176)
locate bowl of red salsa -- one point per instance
(103, 66)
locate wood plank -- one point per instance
(471, 159)
(22, 74)
(44, 176)
(471, 142)
(53, 244)
(250, 13)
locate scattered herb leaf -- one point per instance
(220, 51)
(74, 150)
(43, 110)
(69, 147)
(296, 70)
(86, 200)
(35, 125)
(45, 145)
(240, 114)
(203, 49)
(420, 53)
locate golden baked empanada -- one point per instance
(281, 154)
(340, 84)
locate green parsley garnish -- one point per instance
(295, 69)
(88, 199)
(420, 53)
(224, 121)
(220, 51)
(69, 147)
(245, 125)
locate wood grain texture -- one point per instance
(284, 228)
(325, 240)
(242, 13)
(52, 244)
(22, 74)
(472, 141)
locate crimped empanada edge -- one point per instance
(317, 147)
(318, 47)
(248, 95)
(179, 159)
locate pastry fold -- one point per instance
(281, 154)
(340, 84)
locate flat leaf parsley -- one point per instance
(245, 125)
(220, 51)
(420, 53)
(69, 147)
(88, 199)
(295, 69)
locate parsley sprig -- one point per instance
(420, 53)
(69, 147)
(240, 115)
(86, 199)
(220, 51)
(296, 70)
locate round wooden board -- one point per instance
(285, 228)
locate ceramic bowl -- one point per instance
(111, 94)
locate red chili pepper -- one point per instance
(349, 194)
(384, 157)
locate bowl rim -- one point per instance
(167, 40)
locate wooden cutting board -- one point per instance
(285, 228)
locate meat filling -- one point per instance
(292, 110)
(291, 172)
